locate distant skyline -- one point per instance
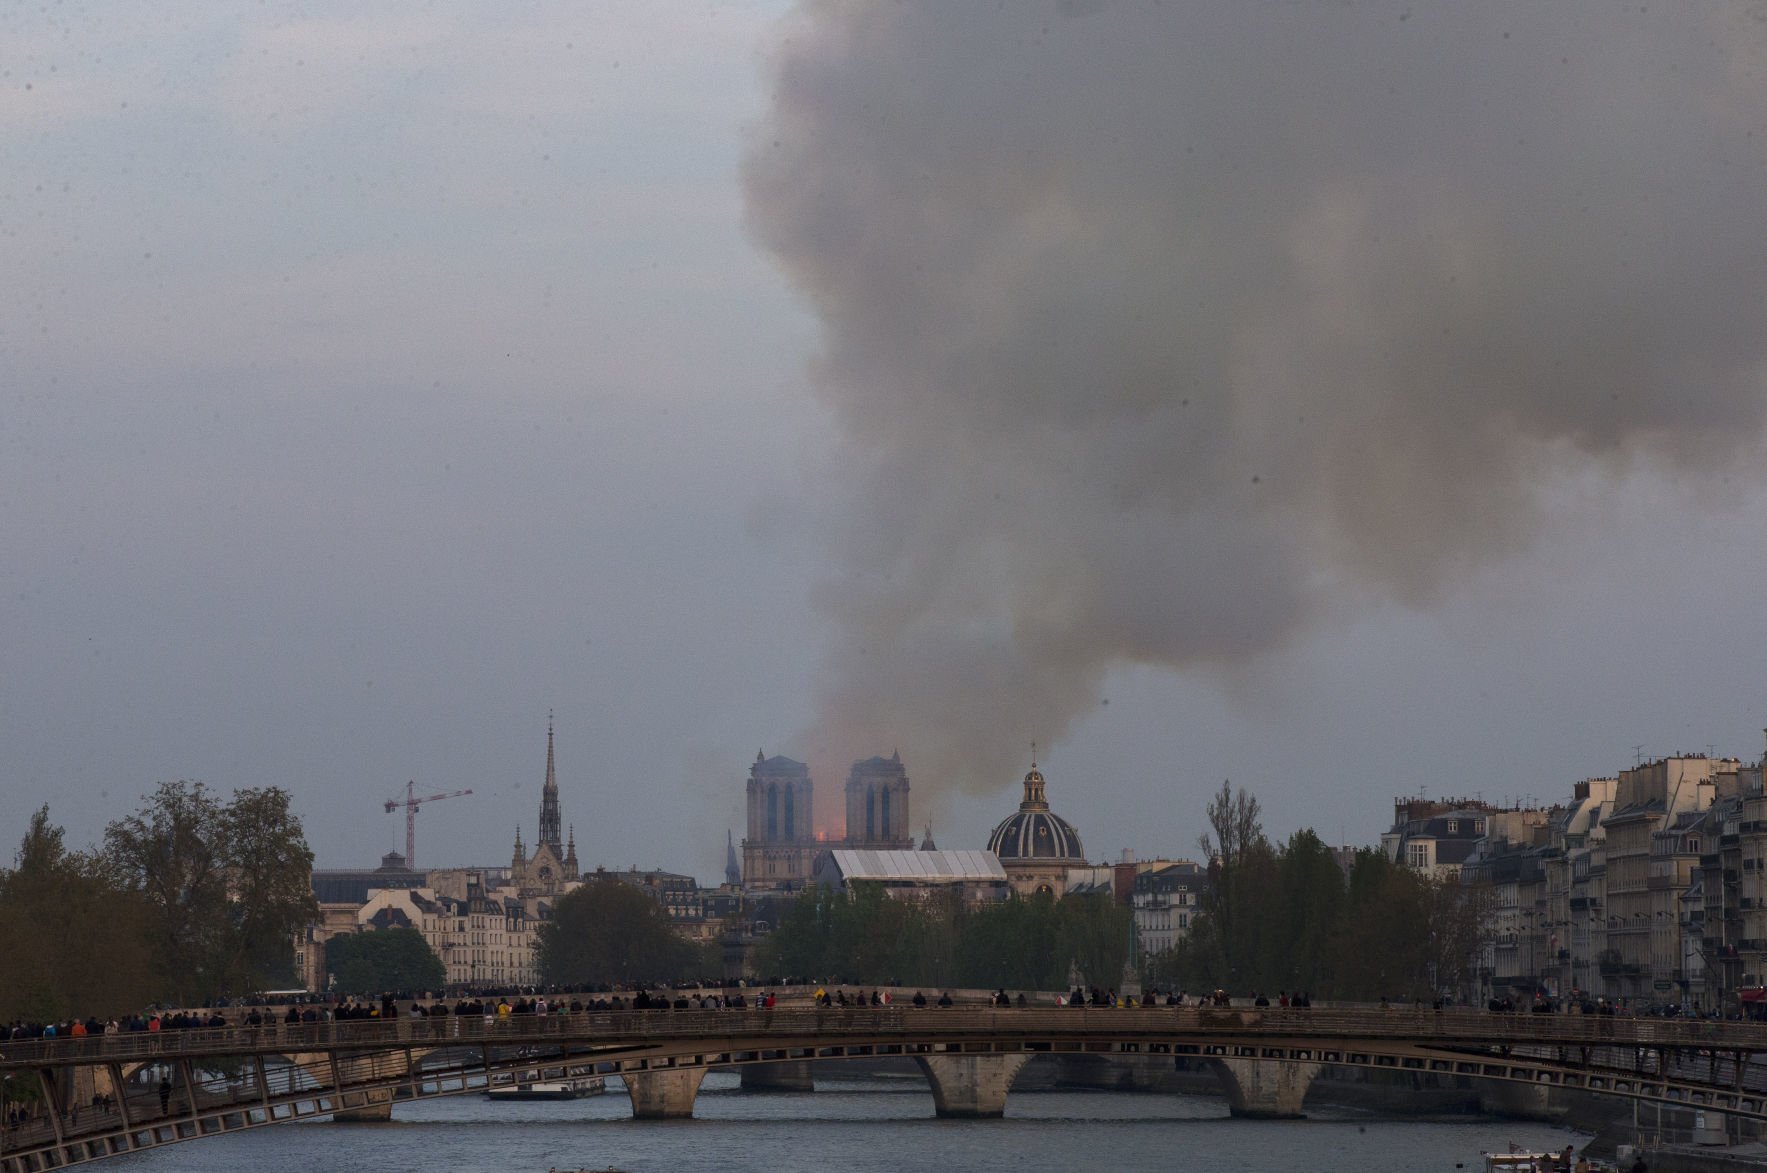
(1347, 401)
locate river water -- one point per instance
(864, 1124)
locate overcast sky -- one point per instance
(1350, 400)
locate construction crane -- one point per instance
(411, 802)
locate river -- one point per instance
(864, 1124)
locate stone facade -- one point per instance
(1164, 897)
(780, 851)
(485, 940)
(878, 816)
(1669, 794)
(1647, 888)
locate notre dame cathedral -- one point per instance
(780, 849)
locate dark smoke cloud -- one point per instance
(1152, 330)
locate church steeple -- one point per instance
(550, 828)
(732, 869)
(570, 856)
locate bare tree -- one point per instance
(1238, 823)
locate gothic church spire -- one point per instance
(550, 829)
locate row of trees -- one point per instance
(1287, 917)
(191, 898)
(610, 933)
(384, 961)
(1023, 944)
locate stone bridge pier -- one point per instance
(373, 1105)
(1525, 1101)
(376, 1108)
(664, 1094)
(971, 1086)
(1264, 1089)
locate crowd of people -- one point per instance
(78, 1028)
(523, 1003)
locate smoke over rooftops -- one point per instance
(1155, 331)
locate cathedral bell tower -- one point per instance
(877, 805)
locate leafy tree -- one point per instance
(1289, 919)
(1020, 944)
(802, 944)
(225, 885)
(1405, 933)
(270, 872)
(608, 932)
(1382, 947)
(1310, 909)
(72, 939)
(1097, 934)
(1234, 940)
(383, 961)
(1458, 929)
(875, 936)
(169, 853)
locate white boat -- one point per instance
(1519, 1161)
(550, 1089)
(1524, 1161)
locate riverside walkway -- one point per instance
(118, 1093)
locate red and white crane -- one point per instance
(411, 802)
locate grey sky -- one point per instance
(372, 384)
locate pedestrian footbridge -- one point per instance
(107, 1095)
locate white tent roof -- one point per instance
(932, 866)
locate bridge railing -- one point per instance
(1464, 1027)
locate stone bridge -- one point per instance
(204, 1082)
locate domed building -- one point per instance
(1036, 846)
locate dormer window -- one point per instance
(1453, 826)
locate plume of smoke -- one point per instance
(1152, 329)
